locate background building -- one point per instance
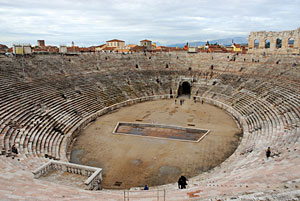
(115, 43)
(41, 43)
(237, 47)
(22, 49)
(3, 49)
(100, 48)
(193, 50)
(63, 49)
(146, 43)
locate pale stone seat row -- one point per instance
(30, 127)
(264, 115)
(268, 109)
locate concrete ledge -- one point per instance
(95, 174)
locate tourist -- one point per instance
(202, 101)
(14, 150)
(182, 182)
(175, 101)
(146, 188)
(268, 152)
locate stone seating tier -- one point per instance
(41, 109)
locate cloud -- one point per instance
(92, 22)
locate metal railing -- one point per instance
(159, 194)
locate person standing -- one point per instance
(182, 182)
(14, 150)
(268, 152)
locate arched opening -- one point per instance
(267, 43)
(184, 89)
(256, 43)
(278, 43)
(291, 43)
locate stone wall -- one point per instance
(274, 47)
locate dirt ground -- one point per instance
(136, 160)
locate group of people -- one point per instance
(182, 183)
(181, 101)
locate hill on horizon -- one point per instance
(225, 41)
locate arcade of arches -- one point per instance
(284, 42)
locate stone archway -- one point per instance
(282, 42)
(267, 43)
(184, 89)
(291, 42)
(256, 43)
(278, 43)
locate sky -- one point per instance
(92, 22)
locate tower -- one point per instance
(41, 43)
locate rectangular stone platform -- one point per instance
(161, 131)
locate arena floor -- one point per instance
(129, 161)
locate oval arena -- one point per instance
(57, 108)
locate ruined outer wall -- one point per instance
(262, 36)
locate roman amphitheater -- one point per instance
(101, 126)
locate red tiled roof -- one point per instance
(101, 45)
(73, 49)
(109, 48)
(115, 40)
(45, 49)
(92, 48)
(131, 46)
(237, 45)
(3, 46)
(145, 40)
(138, 48)
(83, 49)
